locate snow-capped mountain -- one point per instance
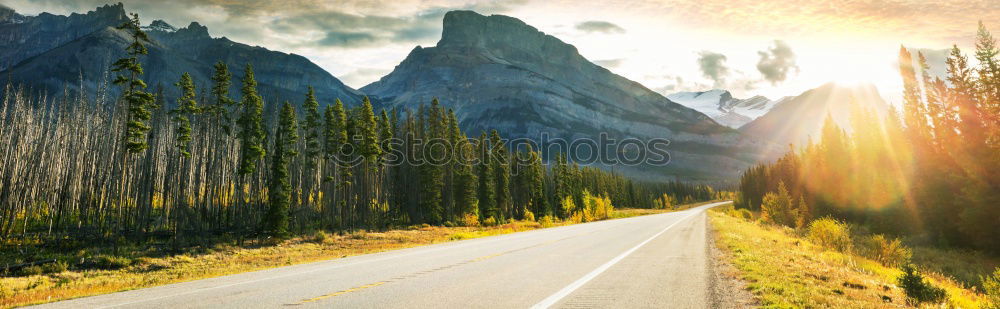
(723, 108)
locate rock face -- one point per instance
(53, 52)
(723, 108)
(794, 120)
(497, 72)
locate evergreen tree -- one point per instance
(221, 103)
(137, 100)
(431, 173)
(487, 185)
(312, 127)
(251, 124)
(501, 176)
(186, 108)
(279, 189)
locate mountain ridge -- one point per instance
(172, 51)
(498, 72)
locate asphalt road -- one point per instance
(655, 261)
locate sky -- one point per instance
(750, 47)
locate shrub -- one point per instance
(888, 252)
(991, 287)
(741, 213)
(31, 271)
(111, 262)
(55, 267)
(779, 208)
(917, 289)
(831, 234)
(546, 221)
(320, 237)
(490, 221)
(528, 215)
(470, 219)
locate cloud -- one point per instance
(363, 75)
(347, 39)
(713, 66)
(776, 62)
(598, 26)
(609, 63)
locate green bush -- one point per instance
(917, 289)
(547, 221)
(55, 267)
(741, 213)
(490, 221)
(320, 237)
(831, 234)
(31, 271)
(528, 215)
(111, 262)
(991, 287)
(888, 252)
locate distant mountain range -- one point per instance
(794, 120)
(723, 108)
(495, 71)
(52, 52)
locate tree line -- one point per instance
(105, 166)
(932, 172)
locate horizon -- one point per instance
(773, 66)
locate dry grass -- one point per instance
(784, 270)
(227, 259)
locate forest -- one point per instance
(123, 164)
(929, 173)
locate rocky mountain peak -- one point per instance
(194, 31)
(108, 11)
(160, 25)
(505, 36)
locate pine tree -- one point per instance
(221, 103)
(279, 189)
(501, 176)
(487, 186)
(431, 173)
(137, 100)
(251, 124)
(186, 108)
(464, 187)
(312, 128)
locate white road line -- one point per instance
(389, 255)
(554, 298)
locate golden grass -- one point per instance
(784, 270)
(228, 259)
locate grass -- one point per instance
(145, 267)
(784, 270)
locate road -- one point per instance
(654, 261)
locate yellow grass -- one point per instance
(784, 270)
(229, 259)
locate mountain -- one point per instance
(795, 119)
(52, 52)
(497, 72)
(723, 108)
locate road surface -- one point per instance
(654, 261)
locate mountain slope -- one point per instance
(497, 72)
(172, 52)
(795, 119)
(723, 108)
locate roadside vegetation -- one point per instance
(832, 264)
(908, 198)
(100, 270)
